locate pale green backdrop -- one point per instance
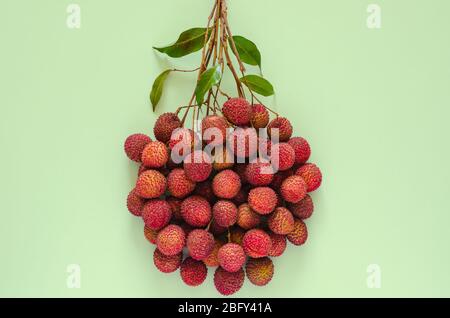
(374, 105)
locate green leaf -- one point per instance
(258, 85)
(189, 41)
(248, 52)
(207, 80)
(157, 88)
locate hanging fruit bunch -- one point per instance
(229, 191)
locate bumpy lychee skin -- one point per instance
(212, 259)
(260, 116)
(243, 142)
(214, 129)
(134, 145)
(171, 240)
(226, 184)
(198, 166)
(281, 221)
(259, 173)
(196, 211)
(231, 257)
(301, 148)
(200, 243)
(166, 264)
(165, 125)
(178, 184)
(279, 177)
(193, 272)
(205, 190)
(300, 233)
(182, 142)
(284, 128)
(247, 218)
(225, 213)
(262, 200)
(311, 174)
(155, 155)
(278, 244)
(228, 283)
(282, 156)
(135, 203)
(293, 189)
(150, 234)
(151, 184)
(175, 206)
(303, 209)
(238, 111)
(259, 271)
(156, 214)
(256, 243)
(237, 235)
(223, 159)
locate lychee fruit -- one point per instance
(200, 243)
(299, 235)
(214, 129)
(156, 214)
(171, 240)
(212, 259)
(231, 257)
(260, 116)
(135, 203)
(293, 189)
(281, 221)
(237, 235)
(175, 206)
(222, 159)
(182, 142)
(243, 143)
(256, 243)
(150, 234)
(311, 174)
(282, 156)
(198, 166)
(303, 209)
(262, 200)
(193, 272)
(155, 155)
(178, 184)
(151, 184)
(301, 149)
(279, 177)
(166, 264)
(247, 218)
(134, 145)
(228, 283)
(225, 213)
(278, 244)
(259, 270)
(196, 211)
(284, 128)
(238, 111)
(226, 184)
(259, 173)
(165, 125)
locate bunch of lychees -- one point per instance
(225, 195)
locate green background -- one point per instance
(374, 105)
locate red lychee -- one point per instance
(256, 243)
(262, 200)
(231, 257)
(155, 155)
(200, 243)
(166, 264)
(151, 184)
(182, 142)
(222, 159)
(247, 218)
(301, 148)
(259, 270)
(178, 184)
(225, 213)
(214, 129)
(302, 209)
(300, 233)
(135, 203)
(259, 173)
(311, 174)
(284, 128)
(293, 189)
(198, 166)
(134, 145)
(212, 259)
(238, 111)
(243, 143)
(279, 177)
(260, 116)
(150, 234)
(165, 125)
(278, 244)
(281, 221)
(282, 156)
(193, 272)
(196, 211)
(156, 214)
(228, 283)
(171, 240)
(175, 206)
(226, 184)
